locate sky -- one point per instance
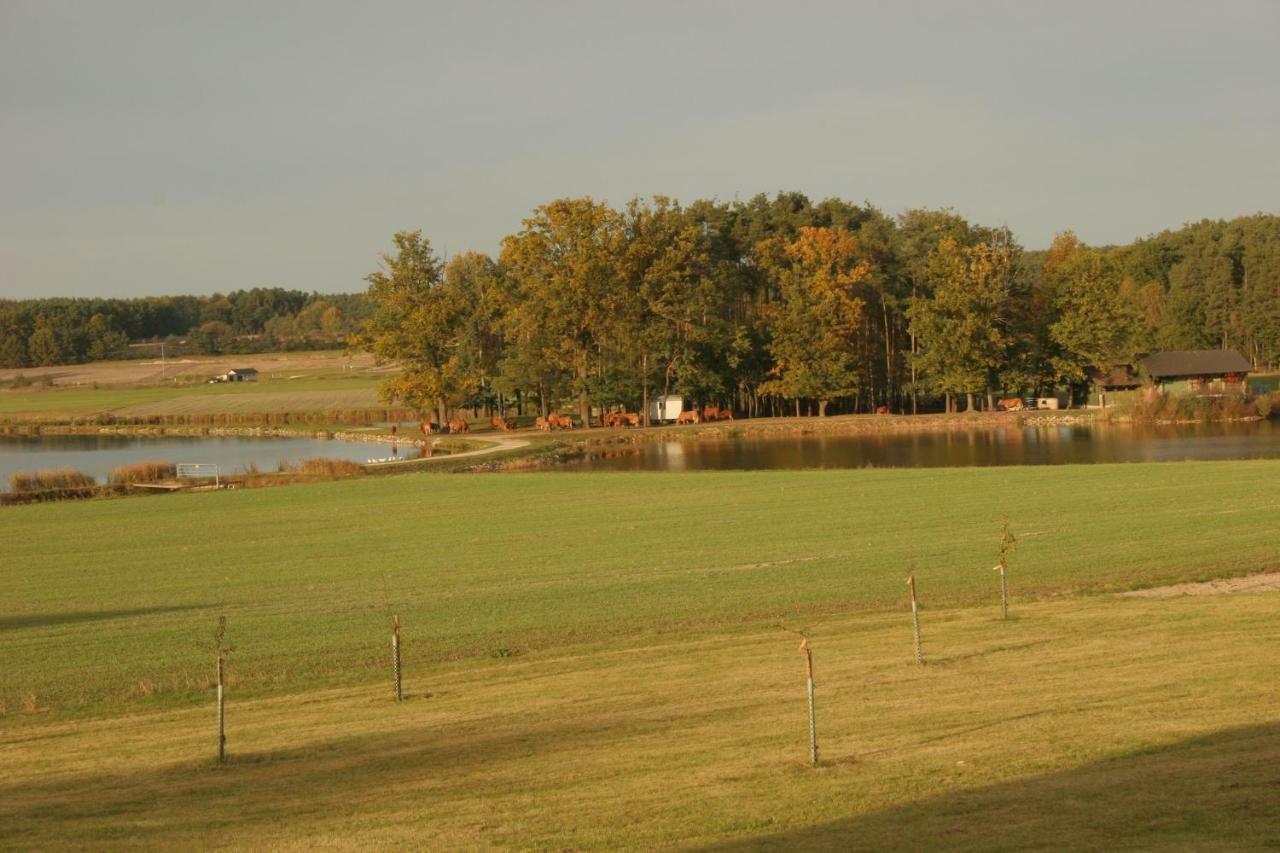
(181, 147)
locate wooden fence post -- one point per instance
(813, 723)
(915, 618)
(395, 655)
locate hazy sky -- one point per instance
(176, 147)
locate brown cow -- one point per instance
(631, 419)
(502, 424)
(557, 421)
(541, 423)
(429, 427)
(459, 425)
(882, 410)
(1011, 404)
(693, 416)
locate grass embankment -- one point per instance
(593, 661)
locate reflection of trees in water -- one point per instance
(1011, 445)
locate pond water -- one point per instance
(1057, 445)
(99, 454)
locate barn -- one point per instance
(1208, 372)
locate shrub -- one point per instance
(141, 472)
(53, 484)
(1264, 404)
(335, 468)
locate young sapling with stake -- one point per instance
(808, 669)
(1007, 543)
(915, 618)
(221, 651)
(395, 655)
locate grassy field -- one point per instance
(299, 395)
(297, 382)
(594, 661)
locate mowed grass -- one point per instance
(1083, 724)
(594, 661)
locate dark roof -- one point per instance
(243, 370)
(1196, 362)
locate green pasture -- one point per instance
(601, 661)
(535, 563)
(305, 394)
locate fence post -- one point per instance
(813, 723)
(915, 618)
(395, 655)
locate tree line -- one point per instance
(779, 305)
(40, 332)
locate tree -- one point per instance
(671, 310)
(415, 324)
(964, 328)
(43, 347)
(104, 340)
(816, 322)
(1096, 325)
(213, 337)
(475, 282)
(563, 267)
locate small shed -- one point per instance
(666, 408)
(242, 374)
(1210, 372)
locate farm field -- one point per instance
(306, 382)
(137, 372)
(595, 661)
(267, 397)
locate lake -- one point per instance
(99, 454)
(1055, 445)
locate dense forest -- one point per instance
(780, 305)
(39, 332)
(771, 305)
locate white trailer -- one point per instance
(665, 409)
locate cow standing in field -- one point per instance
(693, 416)
(561, 421)
(458, 425)
(429, 427)
(504, 424)
(1011, 404)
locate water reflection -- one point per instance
(1055, 445)
(99, 454)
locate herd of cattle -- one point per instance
(556, 421)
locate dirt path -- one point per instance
(1268, 582)
(499, 444)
